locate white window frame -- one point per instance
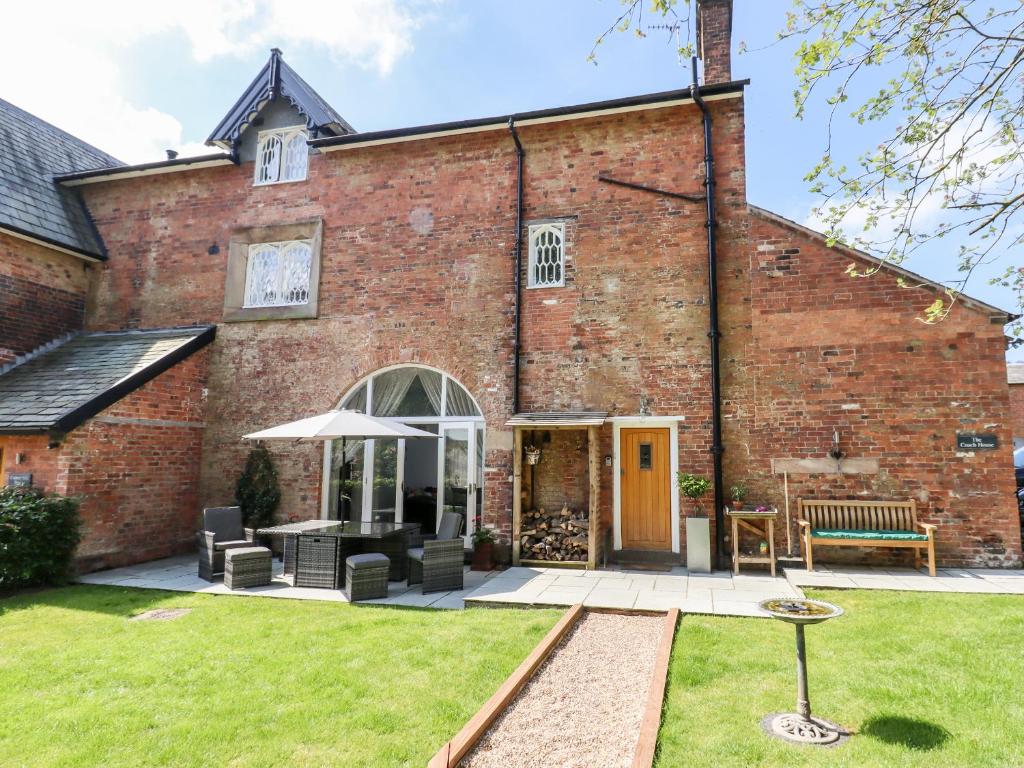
(535, 230)
(281, 247)
(284, 135)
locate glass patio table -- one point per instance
(315, 550)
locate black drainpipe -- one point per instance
(518, 263)
(713, 333)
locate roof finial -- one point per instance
(275, 73)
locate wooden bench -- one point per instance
(839, 523)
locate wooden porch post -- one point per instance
(517, 491)
(594, 523)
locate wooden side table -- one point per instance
(747, 519)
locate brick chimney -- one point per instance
(714, 39)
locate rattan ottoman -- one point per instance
(247, 567)
(366, 576)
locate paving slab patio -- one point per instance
(720, 593)
(179, 574)
(968, 580)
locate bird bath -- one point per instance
(800, 726)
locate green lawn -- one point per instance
(243, 681)
(921, 679)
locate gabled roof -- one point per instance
(278, 80)
(59, 389)
(32, 205)
(993, 312)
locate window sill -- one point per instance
(278, 183)
(252, 314)
(544, 287)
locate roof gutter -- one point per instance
(714, 334)
(145, 169)
(49, 243)
(537, 117)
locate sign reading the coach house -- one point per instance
(969, 441)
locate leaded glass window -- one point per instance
(281, 155)
(547, 256)
(278, 274)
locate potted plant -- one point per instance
(483, 549)
(738, 493)
(698, 527)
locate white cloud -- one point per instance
(66, 61)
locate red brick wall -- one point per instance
(136, 467)
(42, 295)
(42, 462)
(416, 267)
(829, 352)
(714, 46)
(1017, 410)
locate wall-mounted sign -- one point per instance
(19, 479)
(970, 441)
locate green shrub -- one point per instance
(257, 492)
(693, 487)
(38, 536)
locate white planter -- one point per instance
(698, 545)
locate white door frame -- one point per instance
(642, 422)
(471, 472)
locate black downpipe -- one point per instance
(518, 264)
(713, 333)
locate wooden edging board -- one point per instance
(648, 741)
(451, 753)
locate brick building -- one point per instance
(378, 271)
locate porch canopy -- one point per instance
(339, 424)
(522, 483)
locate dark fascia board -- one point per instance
(178, 163)
(66, 247)
(969, 301)
(126, 386)
(650, 99)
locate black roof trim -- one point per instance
(126, 386)
(19, 232)
(276, 79)
(154, 166)
(649, 99)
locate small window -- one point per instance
(277, 274)
(547, 256)
(281, 155)
(645, 455)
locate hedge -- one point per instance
(38, 536)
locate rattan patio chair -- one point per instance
(438, 563)
(222, 530)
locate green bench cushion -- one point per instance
(841, 533)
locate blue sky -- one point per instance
(135, 78)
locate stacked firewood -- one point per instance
(560, 536)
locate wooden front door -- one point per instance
(646, 486)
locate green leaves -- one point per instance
(257, 492)
(38, 536)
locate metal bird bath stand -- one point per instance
(800, 726)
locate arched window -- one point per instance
(411, 481)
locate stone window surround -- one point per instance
(238, 257)
(570, 223)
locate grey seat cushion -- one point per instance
(416, 553)
(368, 560)
(247, 553)
(222, 545)
(224, 522)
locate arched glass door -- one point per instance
(410, 481)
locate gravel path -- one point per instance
(583, 707)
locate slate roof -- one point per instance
(277, 80)
(62, 387)
(1015, 373)
(31, 152)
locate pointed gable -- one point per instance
(278, 81)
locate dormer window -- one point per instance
(281, 156)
